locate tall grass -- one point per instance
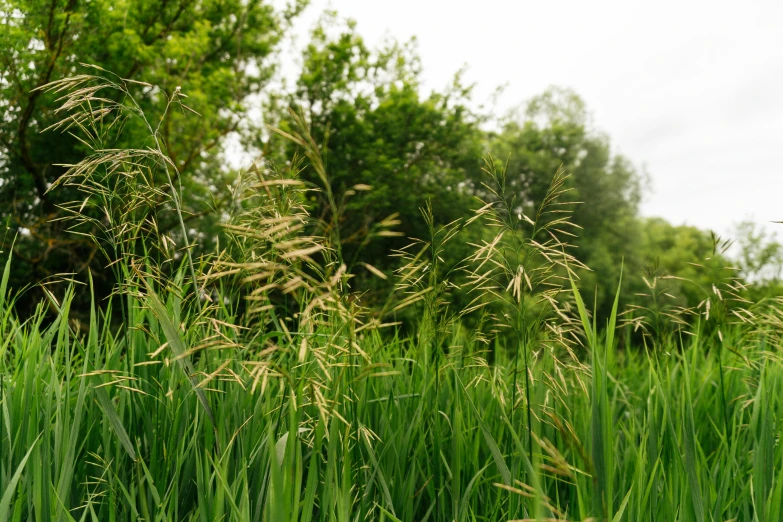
(251, 385)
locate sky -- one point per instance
(690, 91)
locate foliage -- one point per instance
(217, 51)
(389, 150)
(263, 390)
(759, 255)
(255, 353)
(553, 132)
(101, 424)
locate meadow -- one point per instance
(252, 384)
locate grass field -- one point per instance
(107, 426)
(275, 396)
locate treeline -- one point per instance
(389, 151)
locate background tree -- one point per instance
(553, 131)
(760, 256)
(759, 253)
(388, 149)
(219, 53)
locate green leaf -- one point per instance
(177, 346)
(108, 409)
(5, 502)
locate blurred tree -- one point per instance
(554, 131)
(388, 148)
(687, 281)
(377, 130)
(759, 253)
(217, 51)
(680, 251)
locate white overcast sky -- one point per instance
(691, 90)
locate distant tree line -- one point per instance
(389, 149)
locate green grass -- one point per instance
(102, 425)
(275, 396)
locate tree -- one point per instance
(759, 253)
(760, 257)
(555, 131)
(217, 52)
(680, 251)
(388, 149)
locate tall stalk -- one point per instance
(521, 269)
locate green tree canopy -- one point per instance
(389, 148)
(554, 131)
(217, 52)
(377, 130)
